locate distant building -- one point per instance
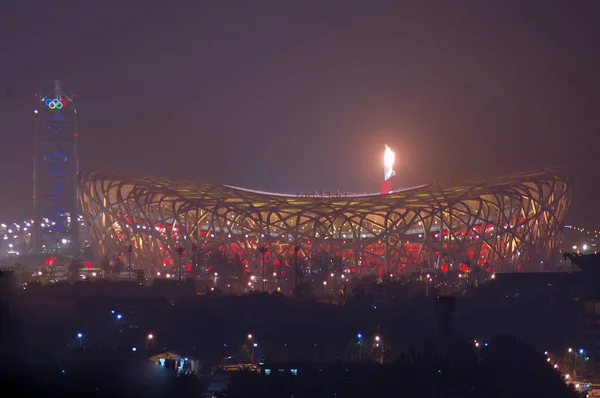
(55, 168)
(512, 223)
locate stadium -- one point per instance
(509, 224)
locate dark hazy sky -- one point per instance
(288, 95)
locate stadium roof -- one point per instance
(114, 184)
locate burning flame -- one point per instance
(388, 157)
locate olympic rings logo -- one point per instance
(56, 103)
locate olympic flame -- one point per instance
(388, 163)
(388, 157)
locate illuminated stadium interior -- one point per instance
(512, 223)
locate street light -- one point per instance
(263, 250)
(252, 345)
(79, 337)
(379, 347)
(148, 338)
(325, 286)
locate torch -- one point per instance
(388, 170)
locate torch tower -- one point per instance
(55, 168)
(389, 157)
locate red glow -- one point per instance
(444, 267)
(49, 261)
(76, 134)
(88, 264)
(189, 267)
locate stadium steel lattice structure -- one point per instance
(510, 223)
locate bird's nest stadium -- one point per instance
(511, 223)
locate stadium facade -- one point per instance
(511, 223)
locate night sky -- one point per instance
(302, 95)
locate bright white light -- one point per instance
(585, 247)
(389, 157)
(64, 241)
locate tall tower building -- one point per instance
(55, 168)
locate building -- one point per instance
(512, 223)
(55, 168)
